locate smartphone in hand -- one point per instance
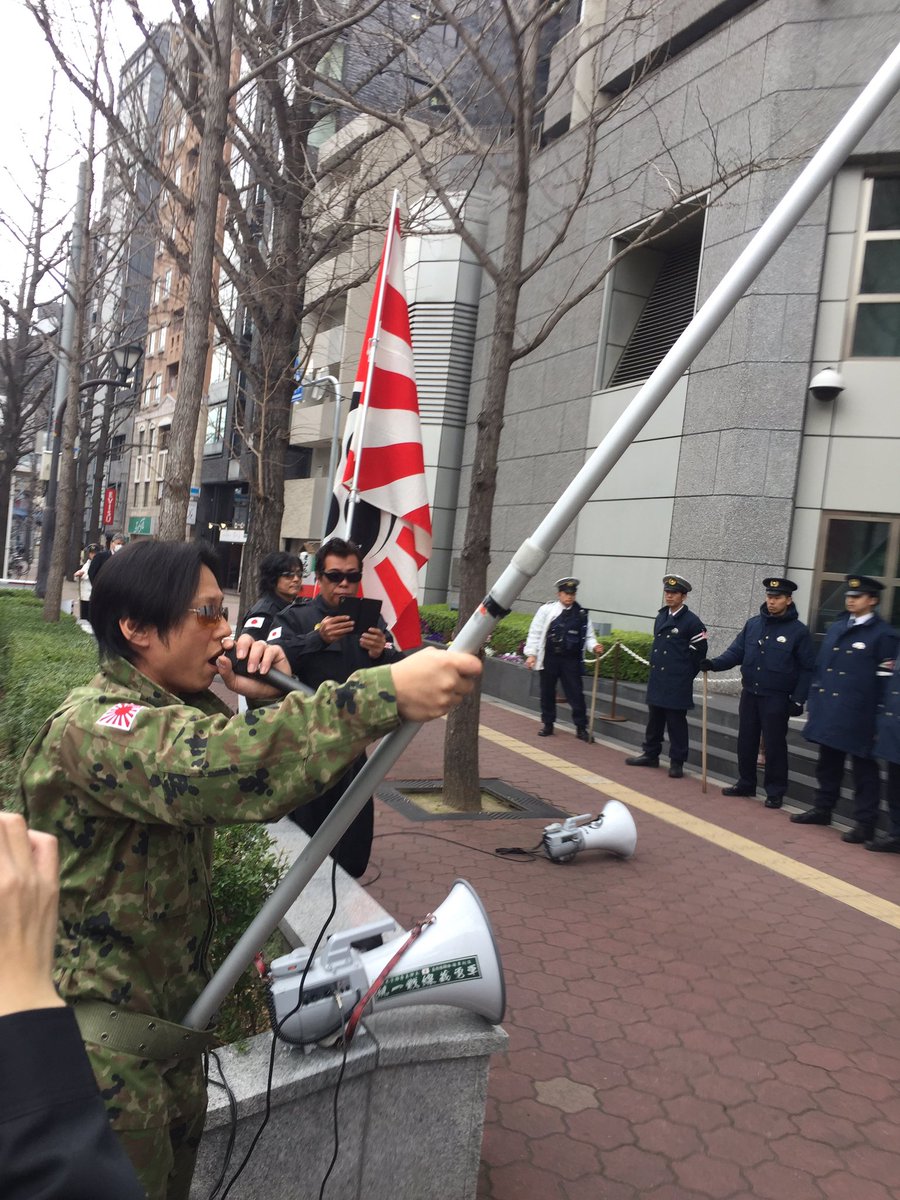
(365, 612)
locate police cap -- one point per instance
(674, 583)
(567, 585)
(779, 587)
(863, 585)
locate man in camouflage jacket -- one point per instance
(133, 773)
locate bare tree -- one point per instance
(26, 346)
(504, 67)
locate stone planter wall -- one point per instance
(411, 1105)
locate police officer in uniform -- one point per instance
(777, 655)
(856, 658)
(679, 647)
(887, 746)
(557, 640)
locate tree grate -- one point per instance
(522, 804)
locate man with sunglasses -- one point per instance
(321, 646)
(133, 773)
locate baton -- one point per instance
(537, 548)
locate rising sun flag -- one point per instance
(380, 499)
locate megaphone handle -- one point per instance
(360, 1007)
(278, 679)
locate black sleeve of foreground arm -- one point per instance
(55, 1140)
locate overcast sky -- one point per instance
(26, 80)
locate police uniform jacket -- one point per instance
(56, 1141)
(887, 744)
(847, 684)
(536, 641)
(314, 660)
(776, 654)
(261, 615)
(132, 780)
(679, 645)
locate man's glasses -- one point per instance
(210, 614)
(291, 575)
(340, 576)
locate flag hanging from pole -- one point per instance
(389, 517)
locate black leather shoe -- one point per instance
(737, 790)
(858, 834)
(582, 735)
(774, 801)
(675, 771)
(642, 760)
(547, 731)
(889, 845)
(812, 816)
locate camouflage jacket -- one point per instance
(131, 779)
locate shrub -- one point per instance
(439, 622)
(40, 663)
(629, 669)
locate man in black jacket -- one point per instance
(320, 644)
(776, 654)
(679, 648)
(850, 677)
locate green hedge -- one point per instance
(439, 622)
(40, 663)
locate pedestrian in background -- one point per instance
(856, 657)
(679, 647)
(558, 638)
(776, 654)
(84, 582)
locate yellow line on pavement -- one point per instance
(772, 860)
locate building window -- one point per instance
(651, 296)
(876, 325)
(215, 428)
(854, 543)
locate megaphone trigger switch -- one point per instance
(612, 830)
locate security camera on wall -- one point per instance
(827, 384)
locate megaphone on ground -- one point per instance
(454, 960)
(613, 830)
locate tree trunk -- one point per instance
(192, 373)
(65, 492)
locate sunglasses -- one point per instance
(210, 614)
(340, 576)
(291, 575)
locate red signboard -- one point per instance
(109, 506)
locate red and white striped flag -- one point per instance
(390, 520)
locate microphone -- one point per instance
(278, 679)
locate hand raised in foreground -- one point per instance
(259, 656)
(29, 898)
(428, 684)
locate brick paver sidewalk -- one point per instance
(686, 1025)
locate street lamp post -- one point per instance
(125, 359)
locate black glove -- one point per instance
(705, 665)
(794, 709)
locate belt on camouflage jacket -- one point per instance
(139, 1034)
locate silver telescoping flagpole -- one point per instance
(535, 550)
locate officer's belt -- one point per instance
(139, 1034)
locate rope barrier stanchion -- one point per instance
(612, 715)
(703, 741)
(593, 699)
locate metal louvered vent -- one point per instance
(668, 311)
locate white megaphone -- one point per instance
(613, 830)
(454, 960)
